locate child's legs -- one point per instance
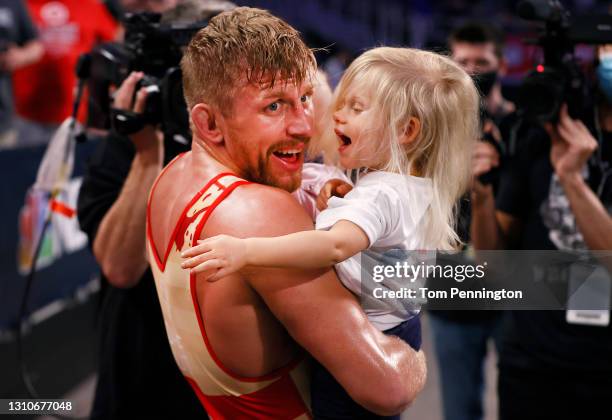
(409, 331)
(330, 400)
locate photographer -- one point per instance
(461, 336)
(550, 368)
(138, 377)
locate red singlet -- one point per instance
(283, 394)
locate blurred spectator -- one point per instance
(335, 65)
(461, 337)
(67, 29)
(18, 48)
(478, 48)
(323, 146)
(555, 193)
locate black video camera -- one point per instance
(153, 48)
(559, 78)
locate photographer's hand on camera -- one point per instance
(148, 141)
(484, 159)
(572, 145)
(489, 229)
(119, 246)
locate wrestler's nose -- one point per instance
(300, 123)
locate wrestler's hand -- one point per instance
(220, 256)
(332, 188)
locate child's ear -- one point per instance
(411, 132)
(205, 123)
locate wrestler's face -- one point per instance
(355, 125)
(268, 131)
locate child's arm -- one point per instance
(307, 249)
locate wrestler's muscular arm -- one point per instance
(381, 373)
(119, 246)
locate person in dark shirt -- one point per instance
(461, 337)
(137, 374)
(550, 368)
(136, 366)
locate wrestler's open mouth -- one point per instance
(289, 156)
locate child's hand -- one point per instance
(220, 255)
(335, 188)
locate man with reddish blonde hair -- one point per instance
(237, 341)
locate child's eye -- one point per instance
(305, 98)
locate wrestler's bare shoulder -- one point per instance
(259, 210)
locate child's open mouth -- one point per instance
(345, 140)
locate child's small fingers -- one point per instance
(206, 266)
(198, 259)
(222, 272)
(344, 189)
(321, 203)
(326, 190)
(196, 250)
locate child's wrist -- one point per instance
(248, 253)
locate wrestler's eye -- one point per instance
(274, 106)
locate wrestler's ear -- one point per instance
(411, 131)
(205, 124)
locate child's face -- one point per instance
(355, 127)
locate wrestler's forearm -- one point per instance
(307, 249)
(120, 243)
(411, 364)
(395, 372)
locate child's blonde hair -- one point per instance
(405, 83)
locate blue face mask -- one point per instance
(604, 74)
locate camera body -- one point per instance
(559, 78)
(153, 48)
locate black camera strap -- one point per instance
(126, 123)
